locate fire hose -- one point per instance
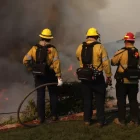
(19, 108)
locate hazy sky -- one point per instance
(119, 17)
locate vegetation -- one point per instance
(70, 102)
(70, 130)
(11, 120)
(30, 112)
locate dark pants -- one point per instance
(99, 89)
(39, 80)
(122, 90)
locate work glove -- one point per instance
(109, 81)
(29, 69)
(60, 82)
(29, 66)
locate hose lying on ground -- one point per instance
(18, 111)
(19, 108)
(35, 124)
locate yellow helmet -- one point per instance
(46, 33)
(92, 32)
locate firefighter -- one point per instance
(93, 59)
(127, 75)
(43, 60)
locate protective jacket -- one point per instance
(99, 59)
(52, 59)
(120, 59)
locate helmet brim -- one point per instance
(129, 39)
(46, 37)
(92, 35)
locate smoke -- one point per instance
(11, 97)
(77, 17)
(22, 21)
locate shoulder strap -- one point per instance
(50, 46)
(96, 42)
(90, 51)
(121, 51)
(47, 46)
(92, 45)
(38, 45)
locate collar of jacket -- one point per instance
(48, 43)
(130, 46)
(89, 41)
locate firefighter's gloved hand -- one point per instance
(109, 81)
(29, 69)
(60, 82)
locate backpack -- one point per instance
(41, 54)
(40, 67)
(133, 58)
(132, 72)
(88, 72)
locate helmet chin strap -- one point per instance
(99, 39)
